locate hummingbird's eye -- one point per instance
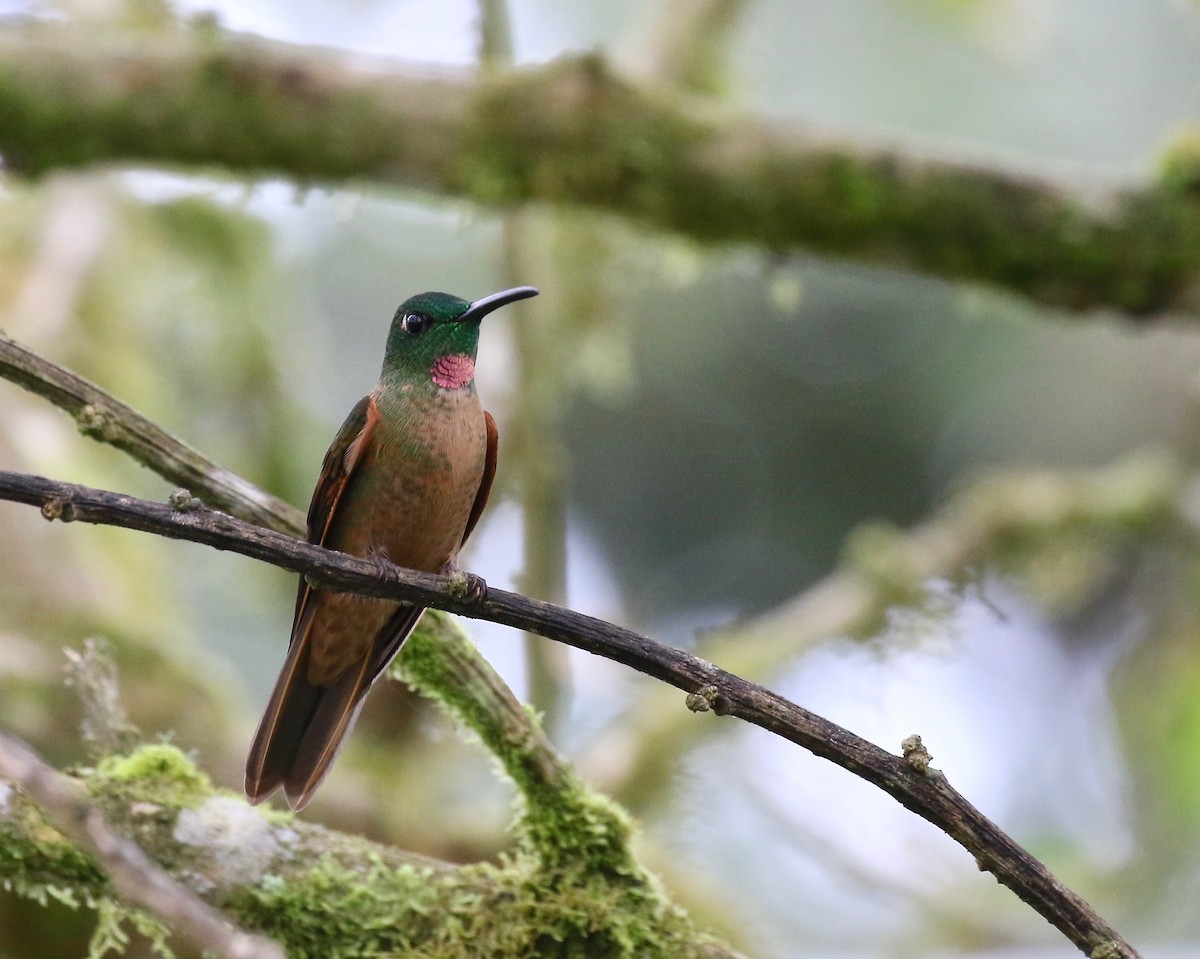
(414, 324)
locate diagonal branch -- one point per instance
(575, 133)
(107, 420)
(909, 779)
(134, 876)
(990, 522)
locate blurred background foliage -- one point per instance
(688, 434)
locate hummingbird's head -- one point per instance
(437, 335)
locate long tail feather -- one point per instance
(282, 727)
(305, 725)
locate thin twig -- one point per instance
(134, 877)
(106, 728)
(106, 419)
(908, 779)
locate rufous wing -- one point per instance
(295, 702)
(392, 636)
(489, 474)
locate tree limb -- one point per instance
(107, 420)
(543, 780)
(134, 877)
(989, 522)
(908, 779)
(572, 132)
(318, 892)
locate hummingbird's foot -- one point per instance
(466, 586)
(383, 565)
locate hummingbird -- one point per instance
(405, 482)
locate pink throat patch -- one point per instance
(452, 372)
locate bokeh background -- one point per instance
(688, 435)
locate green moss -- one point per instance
(514, 908)
(333, 911)
(111, 935)
(158, 773)
(561, 821)
(41, 865)
(573, 887)
(572, 131)
(38, 863)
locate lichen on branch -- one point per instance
(574, 132)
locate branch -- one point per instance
(105, 728)
(572, 132)
(992, 521)
(107, 420)
(134, 877)
(478, 696)
(908, 779)
(320, 892)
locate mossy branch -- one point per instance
(575, 133)
(130, 872)
(550, 790)
(317, 892)
(916, 785)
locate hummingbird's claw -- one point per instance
(383, 565)
(476, 588)
(467, 586)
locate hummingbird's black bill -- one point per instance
(481, 308)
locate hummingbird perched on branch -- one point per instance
(405, 481)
